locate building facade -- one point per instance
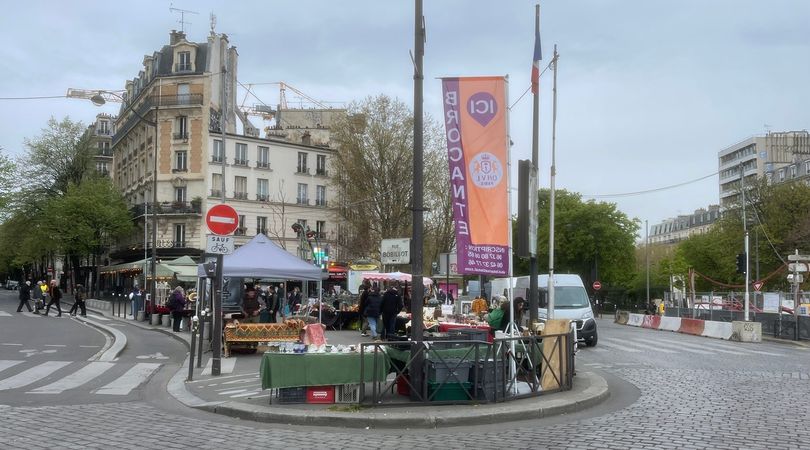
(679, 228)
(169, 135)
(101, 133)
(753, 157)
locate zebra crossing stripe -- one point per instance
(29, 314)
(648, 346)
(8, 363)
(75, 379)
(621, 347)
(712, 347)
(130, 380)
(678, 346)
(4, 314)
(748, 350)
(226, 365)
(32, 375)
(246, 394)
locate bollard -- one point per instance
(155, 319)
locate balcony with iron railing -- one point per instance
(149, 103)
(262, 197)
(302, 201)
(103, 132)
(167, 208)
(217, 159)
(182, 67)
(216, 193)
(320, 202)
(240, 162)
(321, 172)
(105, 152)
(180, 136)
(302, 170)
(262, 165)
(241, 231)
(261, 230)
(240, 195)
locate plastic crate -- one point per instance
(347, 393)
(450, 370)
(402, 385)
(448, 391)
(473, 334)
(291, 395)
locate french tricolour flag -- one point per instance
(538, 55)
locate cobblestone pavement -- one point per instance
(687, 400)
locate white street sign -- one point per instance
(395, 251)
(799, 278)
(798, 257)
(797, 267)
(219, 245)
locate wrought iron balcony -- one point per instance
(183, 136)
(240, 195)
(262, 165)
(216, 193)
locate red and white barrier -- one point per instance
(697, 327)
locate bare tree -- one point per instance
(278, 211)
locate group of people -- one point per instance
(374, 306)
(46, 295)
(263, 304)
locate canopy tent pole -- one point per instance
(320, 302)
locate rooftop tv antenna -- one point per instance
(213, 21)
(183, 13)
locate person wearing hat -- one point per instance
(25, 295)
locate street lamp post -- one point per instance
(99, 98)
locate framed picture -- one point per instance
(466, 307)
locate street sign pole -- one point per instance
(216, 359)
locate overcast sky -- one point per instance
(648, 91)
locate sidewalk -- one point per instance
(237, 393)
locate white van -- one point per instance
(570, 302)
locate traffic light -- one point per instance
(741, 260)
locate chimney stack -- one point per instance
(176, 36)
(306, 138)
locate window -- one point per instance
(807, 167)
(183, 62)
(320, 195)
(180, 194)
(216, 185)
(101, 167)
(793, 171)
(180, 161)
(240, 231)
(219, 152)
(302, 194)
(263, 157)
(181, 127)
(320, 168)
(262, 189)
(303, 223)
(179, 235)
(320, 229)
(103, 128)
(240, 159)
(183, 94)
(302, 162)
(240, 188)
(781, 174)
(261, 225)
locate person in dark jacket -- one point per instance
(391, 306)
(272, 303)
(372, 311)
(25, 295)
(365, 289)
(55, 296)
(78, 302)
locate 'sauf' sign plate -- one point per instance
(219, 245)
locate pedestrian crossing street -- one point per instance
(56, 377)
(666, 346)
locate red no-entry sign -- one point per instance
(597, 285)
(222, 219)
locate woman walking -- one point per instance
(177, 305)
(78, 302)
(55, 296)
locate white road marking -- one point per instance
(157, 355)
(246, 394)
(252, 385)
(29, 314)
(130, 380)
(32, 375)
(30, 351)
(12, 344)
(235, 391)
(97, 317)
(76, 379)
(677, 346)
(4, 314)
(621, 347)
(646, 345)
(89, 346)
(708, 346)
(8, 363)
(54, 345)
(743, 349)
(226, 365)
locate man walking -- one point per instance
(25, 295)
(78, 302)
(391, 306)
(55, 295)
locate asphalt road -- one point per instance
(667, 391)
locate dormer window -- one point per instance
(183, 62)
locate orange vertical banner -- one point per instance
(475, 118)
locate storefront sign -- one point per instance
(476, 131)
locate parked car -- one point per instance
(12, 285)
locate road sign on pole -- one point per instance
(219, 245)
(597, 285)
(797, 267)
(798, 257)
(222, 219)
(758, 285)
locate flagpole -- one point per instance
(512, 325)
(550, 306)
(533, 270)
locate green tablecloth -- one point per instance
(279, 370)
